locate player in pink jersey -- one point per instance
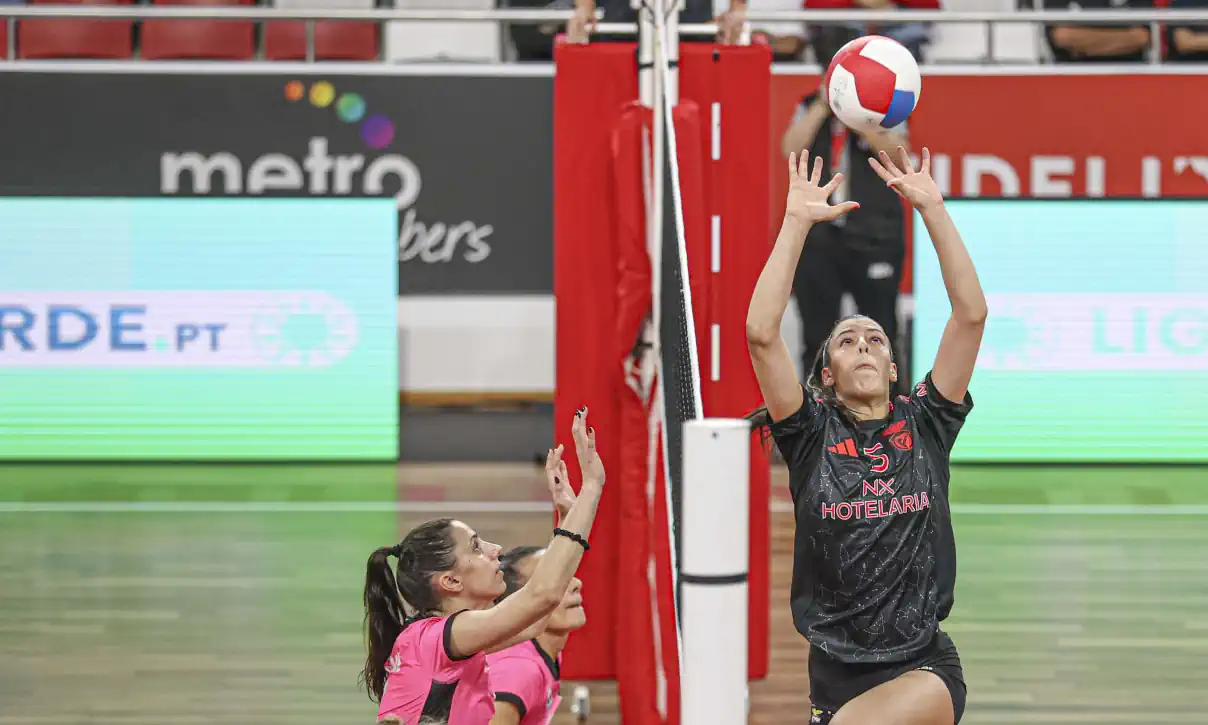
(526, 677)
(430, 625)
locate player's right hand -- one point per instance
(585, 447)
(730, 23)
(581, 25)
(558, 480)
(808, 202)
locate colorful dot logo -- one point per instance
(321, 94)
(377, 130)
(350, 108)
(294, 90)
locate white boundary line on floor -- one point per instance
(522, 507)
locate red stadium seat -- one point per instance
(334, 40)
(199, 39)
(75, 38)
(4, 38)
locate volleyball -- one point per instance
(873, 83)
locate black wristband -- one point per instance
(573, 537)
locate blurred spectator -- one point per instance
(787, 40)
(1188, 42)
(619, 11)
(1098, 43)
(535, 42)
(912, 35)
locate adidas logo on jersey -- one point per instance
(846, 448)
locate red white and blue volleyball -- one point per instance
(873, 83)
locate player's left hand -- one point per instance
(590, 465)
(916, 187)
(581, 25)
(730, 23)
(559, 482)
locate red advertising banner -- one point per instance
(1044, 135)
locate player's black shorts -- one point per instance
(833, 683)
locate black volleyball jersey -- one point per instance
(874, 559)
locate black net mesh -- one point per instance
(678, 361)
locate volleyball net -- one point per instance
(660, 231)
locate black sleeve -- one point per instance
(447, 638)
(514, 699)
(798, 433)
(939, 419)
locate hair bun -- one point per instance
(396, 551)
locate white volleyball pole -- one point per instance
(713, 609)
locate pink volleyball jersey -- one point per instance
(423, 679)
(525, 676)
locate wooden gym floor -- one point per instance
(213, 595)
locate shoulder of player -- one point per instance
(428, 628)
(515, 652)
(799, 419)
(517, 656)
(514, 670)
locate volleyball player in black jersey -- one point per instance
(874, 556)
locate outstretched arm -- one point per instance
(774, 368)
(489, 629)
(962, 336)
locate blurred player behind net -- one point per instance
(430, 626)
(527, 677)
(874, 561)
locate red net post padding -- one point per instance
(592, 85)
(639, 670)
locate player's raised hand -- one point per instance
(582, 24)
(730, 24)
(585, 446)
(916, 187)
(807, 201)
(559, 482)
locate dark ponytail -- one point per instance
(384, 619)
(429, 549)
